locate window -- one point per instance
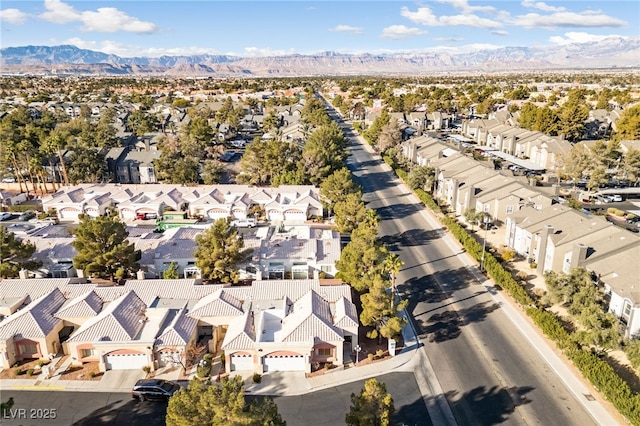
(326, 268)
(86, 353)
(28, 349)
(509, 209)
(626, 310)
(324, 352)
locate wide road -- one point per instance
(326, 407)
(488, 371)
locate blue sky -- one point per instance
(265, 28)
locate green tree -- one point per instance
(14, 254)
(103, 248)
(350, 212)
(220, 404)
(631, 165)
(421, 177)
(392, 265)
(577, 162)
(373, 407)
(573, 116)
(218, 252)
(628, 127)
(361, 257)
(378, 309)
(85, 166)
(323, 153)
(171, 273)
(337, 186)
(212, 172)
(598, 178)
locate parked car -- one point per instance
(145, 216)
(5, 216)
(616, 198)
(146, 389)
(27, 215)
(243, 223)
(8, 180)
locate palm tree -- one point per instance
(392, 264)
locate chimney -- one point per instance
(140, 274)
(23, 274)
(578, 255)
(542, 247)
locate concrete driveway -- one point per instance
(120, 380)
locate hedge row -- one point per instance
(596, 370)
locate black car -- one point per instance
(146, 389)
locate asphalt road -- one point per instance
(327, 407)
(488, 371)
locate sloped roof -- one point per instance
(345, 314)
(36, 320)
(241, 333)
(120, 321)
(311, 319)
(86, 305)
(220, 303)
(178, 331)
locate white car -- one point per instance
(243, 223)
(8, 180)
(5, 216)
(616, 198)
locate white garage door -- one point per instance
(294, 216)
(241, 362)
(284, 363)
(126, 361)
(69, 213)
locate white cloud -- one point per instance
(346, 29)
(500, 32)
(13, 16)
(425, 16)
(567, 19)
(400, 32)
(531, 4)
(59, 12)
(104, 19)
(579, 37)
(465, 7)
(449, 39)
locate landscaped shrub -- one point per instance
(379, 353)
(257, 378)
(30, 372)
(370, 357)
(146, 369)
(204, 369)
(18, 371)
(632, 349)
(92, 374)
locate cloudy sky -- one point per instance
(250, 28)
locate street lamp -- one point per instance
(357, 349)
(486, 219)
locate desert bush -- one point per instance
(370, 357)
(146, 369)
(522, 275)
(257, 378)
(379, 353)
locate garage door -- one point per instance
(69, 213)
(125, 361)
(295, 216)
(241, 362)
(284, 363)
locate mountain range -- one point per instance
(612, 52)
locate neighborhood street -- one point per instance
(326, 407)
(488, 371)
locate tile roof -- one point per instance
(36, 320)
(310, 320)
(186, 289)
(35, 288)
(241, 333)
(179, 330)
(345, 314)
(220, 303)
(86, 305)
(122, 320)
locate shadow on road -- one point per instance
(397, 211)
(482, 406)
(412, 237)
(448, 325)
(131, 413)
